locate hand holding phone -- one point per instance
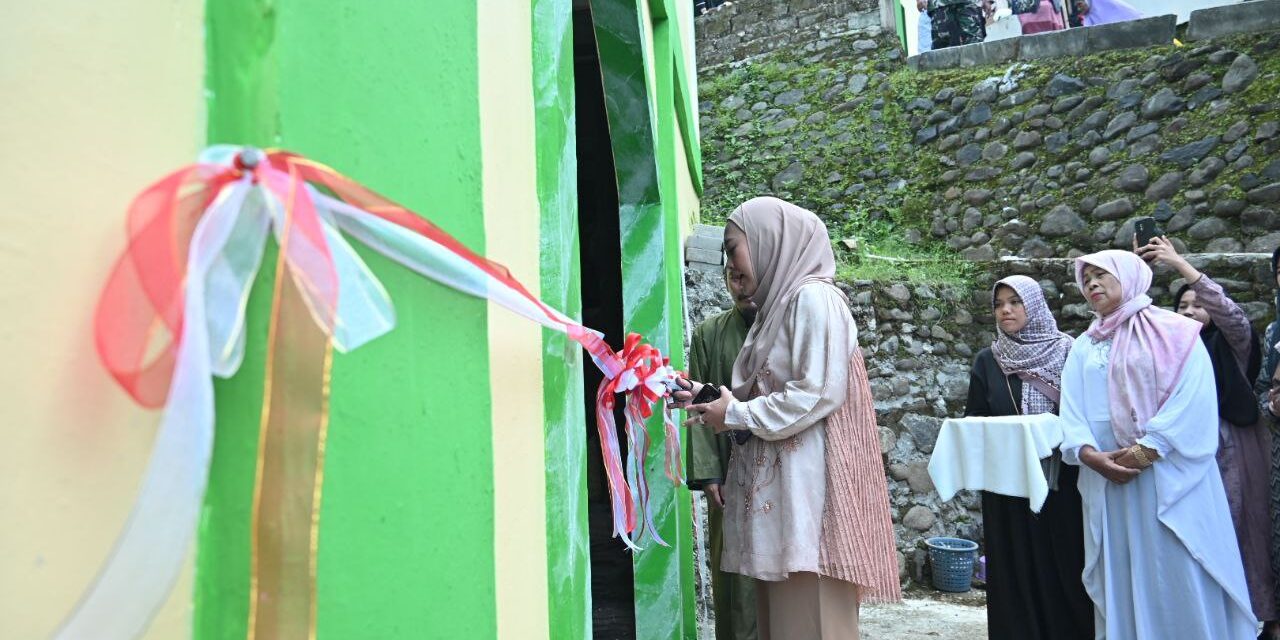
(1144, 229)
(709, 393)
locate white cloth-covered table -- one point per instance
(998, 454)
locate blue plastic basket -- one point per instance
(952, 563)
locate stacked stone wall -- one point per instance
(751, 28)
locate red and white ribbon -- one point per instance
(172, 316)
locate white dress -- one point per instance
(1161, 559)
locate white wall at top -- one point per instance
(1180, 8)
(1007, 26)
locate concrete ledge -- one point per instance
(988, 53)
(702, 249)
(692, 254)
(1231, 19)
(1068, 42)
(969, 55)
(705, 243)
(1147, 32)
(709, 230)
(938, 58)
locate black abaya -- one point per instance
(1034, 561)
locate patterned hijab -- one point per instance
(1037, 352)
(1149, 345)
(789, 248)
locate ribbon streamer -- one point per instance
(172, 316)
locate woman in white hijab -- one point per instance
(806, 503)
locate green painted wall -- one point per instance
(685, 65)
(385, 92)
(568, 540)
(667, 134)
(640, 109)
(240, 79)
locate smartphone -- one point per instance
(1144, 229)
(709, 393)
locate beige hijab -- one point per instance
(789, 248)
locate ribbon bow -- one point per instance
(645, 377)
(171, 316)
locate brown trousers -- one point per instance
(807, 606)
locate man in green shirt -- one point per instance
(715, 345)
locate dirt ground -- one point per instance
(922, 614)
(927, 614)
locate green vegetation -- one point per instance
(848, 153)
(872, 211)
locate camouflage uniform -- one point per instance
(957, 22)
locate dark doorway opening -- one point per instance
(612, 578)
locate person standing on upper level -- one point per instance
(958, 22)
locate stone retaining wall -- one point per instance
(749, 28)
(1053, 169)
(1047, 159)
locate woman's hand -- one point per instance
(715, 495)
(712, 413)
(681, 399)
(1162, 251)
(1105, 464)
(1273, 401)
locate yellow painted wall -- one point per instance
(512, 237)
(686, 194)
(100, 99)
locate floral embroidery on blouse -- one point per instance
(791, 444)
(1101, 357)
(758, 472)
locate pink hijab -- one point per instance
(1149, 345)
(789, 248)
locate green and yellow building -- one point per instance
(462, 493)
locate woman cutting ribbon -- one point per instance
(806, 504)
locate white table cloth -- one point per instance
(998, 454)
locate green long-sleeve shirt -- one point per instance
(715, 345)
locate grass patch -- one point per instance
(914, 266)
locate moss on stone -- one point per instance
(862, 171)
